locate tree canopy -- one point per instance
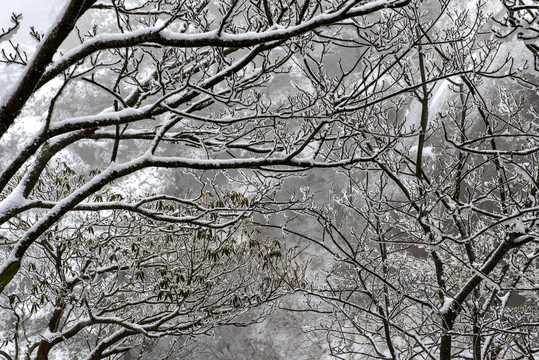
(154, 165)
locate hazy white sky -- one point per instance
(37, 13)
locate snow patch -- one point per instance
(142, 183)
(446, 307)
